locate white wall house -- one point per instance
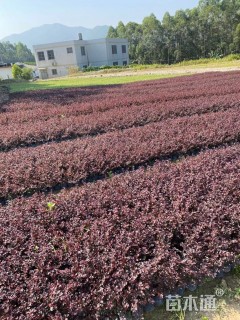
(57, 59)
(6, 73)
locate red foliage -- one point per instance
(114, 109)
(60, 164)
(116, 243)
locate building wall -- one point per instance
(100, 52)
(97, 53)
(61, 72)
(6, 73)
(119, 56)
(82, 60)
(62, 59)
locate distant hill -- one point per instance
(56, 32)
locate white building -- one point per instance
(57, 59)
(6, 73)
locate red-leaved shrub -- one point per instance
(114, 244)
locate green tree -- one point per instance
(134, 35)
(27, 73)
(23, 53)
(236, 39)
(209, 30)
(21, 73)
(168, 38)
(121, 30)
(150, 47)
(112, 33)
(11, 53)
(17, 72)
(8, 52)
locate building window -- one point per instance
(115, 63)
(70, 50)
(41, 56)
(54, 72)
(83, 51)
(124, 63)
(50, 54)
(114, 49)
(124, 48)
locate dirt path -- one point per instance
(161, 71)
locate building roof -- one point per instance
(78, 42)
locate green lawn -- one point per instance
(83, 81)
(102, 78)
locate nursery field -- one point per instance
(112, 197)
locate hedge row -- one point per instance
(86, 112)
(115, 244)
(105, 98)
(61, 128)
(62, 164)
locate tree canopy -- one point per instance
(212, 29)
(10, 53)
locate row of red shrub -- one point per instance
(123, 96)
(59, 164)
(88, 94)
(115, 244)
(40, 112)
(61, 128)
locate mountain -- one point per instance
(56, 33)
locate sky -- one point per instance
(17, 16)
